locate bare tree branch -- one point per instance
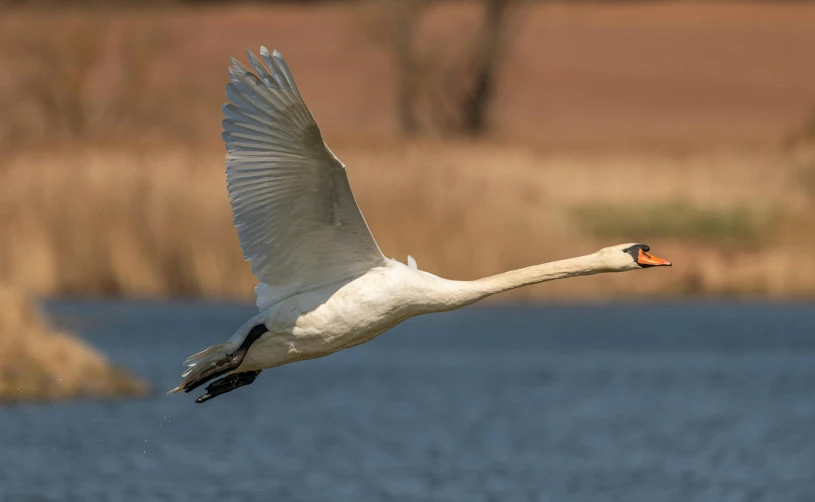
(487, 56)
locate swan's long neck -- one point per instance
(460, 293)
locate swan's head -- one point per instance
(630, 257)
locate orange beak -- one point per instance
(647, 260)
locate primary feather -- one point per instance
(296, 217)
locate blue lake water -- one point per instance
(652, 403)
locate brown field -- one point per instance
(662, 123)
(576, 75)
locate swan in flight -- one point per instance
(324, 283)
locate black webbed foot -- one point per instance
(228, 363)
(228, 384)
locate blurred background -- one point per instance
(479, 136)
(468, 128)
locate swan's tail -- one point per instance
(198, 363)
(213, 361)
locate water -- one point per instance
(650, 403)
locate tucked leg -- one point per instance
(228, 384)
(228, 363)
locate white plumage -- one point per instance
(296, 217)
(325, 285)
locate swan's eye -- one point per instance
(626, 250)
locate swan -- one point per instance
(324, 283)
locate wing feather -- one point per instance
(296, 216)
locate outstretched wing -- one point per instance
(297, 220)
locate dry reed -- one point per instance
(37, 362)
(156, 221)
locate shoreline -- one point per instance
(41, 364)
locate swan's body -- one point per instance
(325, 284)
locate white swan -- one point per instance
(325, 285)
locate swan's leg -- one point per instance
(228, 384)
(228, 363)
